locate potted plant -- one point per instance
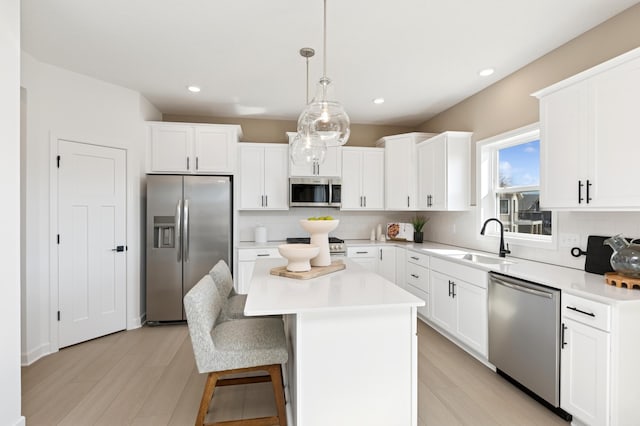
(418, 223)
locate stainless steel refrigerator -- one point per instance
(189, 228)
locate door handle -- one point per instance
(415, 276)
(178, 226)
(186, 230)
(196, 163)
(453, 292)
(187, 163)
(266, 201)
(118, 249)
(449, 287)
(408, 202)
(580, 185)
(588, 186)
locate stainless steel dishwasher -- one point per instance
(524, 336)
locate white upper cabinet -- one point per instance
(400, 170)
(330, 167)
(588, 126)
(263, 176)
(362, 179)
(192, 148)
(443, 172)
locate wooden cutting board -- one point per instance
(316, 271)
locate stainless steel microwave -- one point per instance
(314, 192)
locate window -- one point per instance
(509, 166)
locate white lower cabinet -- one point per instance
(246, 262)
(381, 260)
(459, 303)
(585, 360)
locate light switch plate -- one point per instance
(569, 240)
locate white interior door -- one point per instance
(92, 241)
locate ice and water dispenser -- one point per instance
(164, 231)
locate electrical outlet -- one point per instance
(569, 240)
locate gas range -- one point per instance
(336, 245)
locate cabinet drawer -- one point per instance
(469, 274)
(587, 311)
(421, 259)
(371, 251)
(253, 254)
(418, 277)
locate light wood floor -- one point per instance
(148, 377)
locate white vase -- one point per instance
(319, 230)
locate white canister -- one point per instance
(260, 234)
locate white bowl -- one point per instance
(319, 226)
(298, 256)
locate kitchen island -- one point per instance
(352, 345)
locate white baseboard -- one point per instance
(136, 322)
(34, 355)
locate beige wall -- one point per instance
(507, 104)
(257, 130)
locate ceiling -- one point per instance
(422, 56)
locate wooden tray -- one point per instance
(613, 278)
(316, 271)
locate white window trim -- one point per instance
(486, 173)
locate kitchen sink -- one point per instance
(487, 260)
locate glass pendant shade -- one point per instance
(325, 118)
(307, 149)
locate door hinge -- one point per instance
(58, 161)
(58, 238)
(58, 315)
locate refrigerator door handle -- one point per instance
(186, 230)
(178, 227)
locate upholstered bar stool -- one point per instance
(234, 347)
(234, 305)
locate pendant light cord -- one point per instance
(324, 47)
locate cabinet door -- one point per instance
(387, 263)
(471, 312)
(426, 173)
(245, 271)
(584, 385)
(351, 194)
(563, 146)
(215, 150)
(368, 263)
(443, 306)
(276, 182)
(372, 179)
(400, 176)
(330, 167)
(616, 102)
(171, 148)
(251, 177)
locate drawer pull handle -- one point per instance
(591, 314)
(415, 258)
(362, 252)
(415, 276)
(263, 255)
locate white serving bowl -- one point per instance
(298, 256)
(319, 226)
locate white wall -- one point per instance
(10, 213)
(63, 104)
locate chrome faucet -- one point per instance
(503, 251)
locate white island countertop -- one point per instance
(348, 289)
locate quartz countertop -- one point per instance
(574, 281)
(349, 289)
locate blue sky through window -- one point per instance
(519, 165)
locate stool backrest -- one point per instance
(202, 304)
(222, 277)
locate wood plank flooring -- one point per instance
(148, 377)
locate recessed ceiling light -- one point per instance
(378, 101)
(486, 72)
(194, 89)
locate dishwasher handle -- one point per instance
(515, 285)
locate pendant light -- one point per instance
(325, 118)
(306, 148)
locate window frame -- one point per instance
(487, 189)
